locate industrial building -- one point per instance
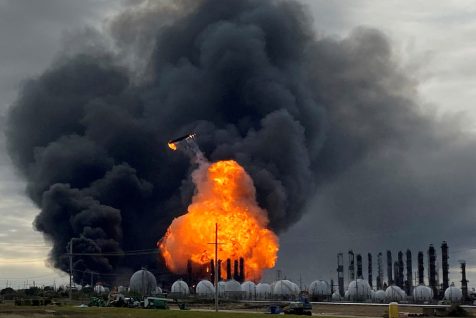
(400, 284)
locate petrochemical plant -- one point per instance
(398, 285)
(401, 285)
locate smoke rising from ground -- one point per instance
(299, 112)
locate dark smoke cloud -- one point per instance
(250, 77)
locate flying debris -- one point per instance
(173, 143)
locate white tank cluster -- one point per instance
(422, 294)
(394, 294)
(359, 290)
(143, 282)
(285, 289)
(453, 294)
(320, 289)
(263, 291)
(179, 289)
(205, 289)
(249, 290)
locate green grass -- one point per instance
(105, 312)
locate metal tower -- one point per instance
(389, 268)
(444, 264)
(351, 266)
(340, 273)
(369, 260)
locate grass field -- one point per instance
(69, 311)
(105, 312)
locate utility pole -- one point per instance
(71, 269)
(216, 266)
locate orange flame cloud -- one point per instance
(225, 195)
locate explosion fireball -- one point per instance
(225, 194)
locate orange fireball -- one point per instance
(225, 195)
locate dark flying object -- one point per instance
(173, 143)
(181, 138)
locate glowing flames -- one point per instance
(225, 195)
(172, 146)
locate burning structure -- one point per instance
(225, 196)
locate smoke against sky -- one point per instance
(327, 126)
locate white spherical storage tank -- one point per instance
(263, 291)
(394, 294)
(359, 290)
(320, 288)
(233, 289)
(205, 289)
(221, 288)
(346, 295)
(143, 282)
(422, 294)
(379, 296)
(453, 294)
(232, 286)
(336, 297)
(121, 289)
(99, 289)
(285, 288)
(180, 288)
(249, 290)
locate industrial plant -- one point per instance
(399, 284)
(395, 283)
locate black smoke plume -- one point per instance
(249, 77)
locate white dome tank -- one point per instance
(249, 289)
(285, 288)
(263, 291)
(379, 296)
(394, 293)
(121, 289)
(422, 294)
(453, 294)
(232, 286)
(320, 288)
(205, 289)
(336, 297)
(99, 289)
(221, 288)
(143, 282)
(180, 288)
(359, 290)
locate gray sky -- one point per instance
(433, 41)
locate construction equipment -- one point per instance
(297, 308)
(156, 303)
(96, 302)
